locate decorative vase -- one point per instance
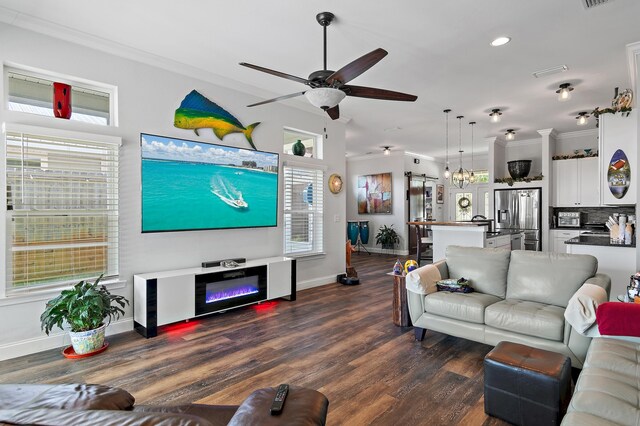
(298, 148)
(84, 342)
(364, 231)
(352, 231)
(62, 100)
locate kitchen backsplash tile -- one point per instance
(595, 214)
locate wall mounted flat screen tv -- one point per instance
(188, 185)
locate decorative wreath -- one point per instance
(464, 203)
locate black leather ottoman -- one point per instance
(525, 385)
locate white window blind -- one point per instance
(62, 209)
(303, 210)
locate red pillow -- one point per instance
(618, 319)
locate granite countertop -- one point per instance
(502, 233)
(595, 240)
(482, 223)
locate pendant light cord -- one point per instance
(447, 111)
(472, 123)
(460, 117)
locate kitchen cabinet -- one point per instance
(501, 242)
(618, 133)
(576, 182)
(558, 237)
(517, 242)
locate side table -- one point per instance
(400, 309)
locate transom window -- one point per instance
(32, 93)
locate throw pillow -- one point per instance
(461, 285)
(619, 319)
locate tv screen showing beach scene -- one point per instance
(188, 185)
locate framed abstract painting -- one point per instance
(374, 194)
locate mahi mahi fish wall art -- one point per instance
(197, 112)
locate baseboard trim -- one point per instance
(57, 340)
(317, 282)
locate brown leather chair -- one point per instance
(83, 404)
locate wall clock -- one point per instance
(335, 183)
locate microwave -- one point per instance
(569, 219)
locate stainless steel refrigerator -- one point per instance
(520, 210)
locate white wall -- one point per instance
(374, 164)
(567, 143)
(148, 97)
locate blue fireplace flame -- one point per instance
(229, 293)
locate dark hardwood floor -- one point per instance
(337, 339)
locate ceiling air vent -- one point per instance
(588, 4)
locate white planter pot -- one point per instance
(84, 342)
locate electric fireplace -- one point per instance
(228, 289)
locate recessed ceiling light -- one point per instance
(500, 41)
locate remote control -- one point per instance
(278, 401)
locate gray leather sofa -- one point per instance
(519, 296)
(608, 388)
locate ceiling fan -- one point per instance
(327, 87)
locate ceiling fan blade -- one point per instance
(357, 67)
(279, 98)
(276, 73)
(373, 93)
(334, 112)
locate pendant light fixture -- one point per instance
(447, 173)
(472, 176)
(564, 92)
(495, 115)
(510, 135)
(461, 176)
(582, 118)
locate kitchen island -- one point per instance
(468, 234)
(614, 259)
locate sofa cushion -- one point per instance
(486, 268)
(608, 386)
(76, 396)
(545, 277)
(530, 318)
(463, 306)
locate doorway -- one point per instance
(466, 203)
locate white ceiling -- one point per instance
(437, 50)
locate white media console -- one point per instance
(161, 298)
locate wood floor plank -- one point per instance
(337, 339)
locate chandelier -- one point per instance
(460, 177)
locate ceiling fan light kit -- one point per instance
(328, 88)
(387, 150)
(324, 97)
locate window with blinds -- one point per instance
(62, 208)
(303, 210)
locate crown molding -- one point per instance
(577, 134)
(50, 29)
(552, 133)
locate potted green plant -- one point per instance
(85, 307)
(387, 237)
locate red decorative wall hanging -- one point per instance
(61, 100)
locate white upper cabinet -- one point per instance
(618, 155)
(576, 182)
